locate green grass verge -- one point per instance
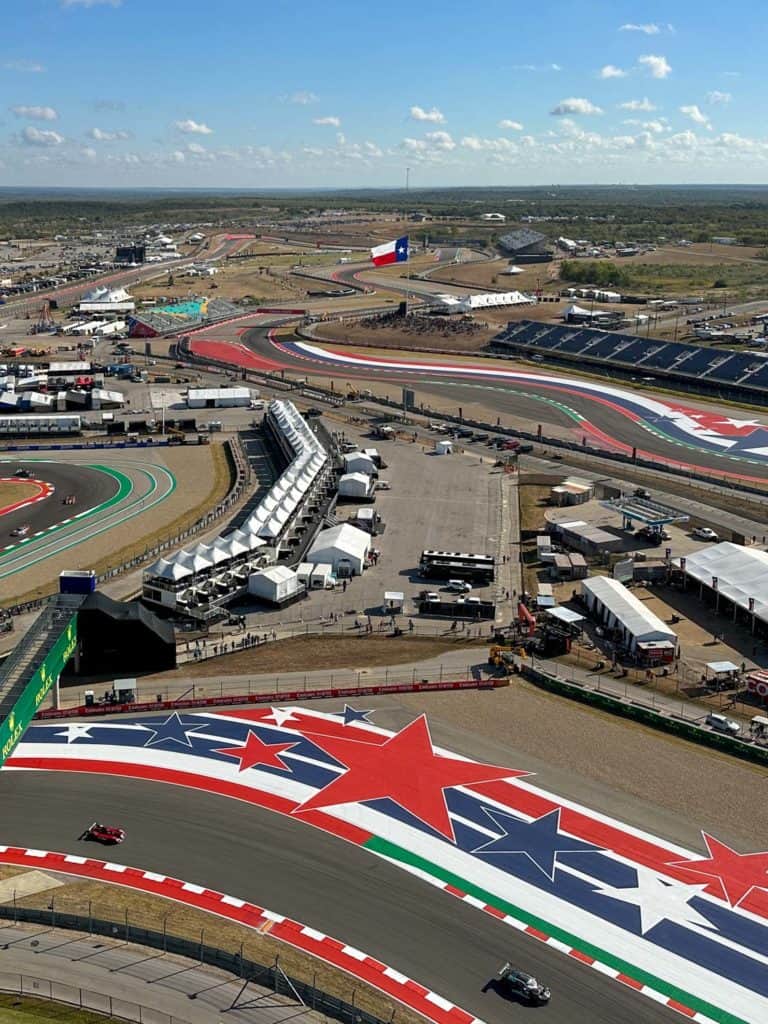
(24, 1010)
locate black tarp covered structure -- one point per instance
(122, 638)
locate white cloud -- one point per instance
(696, 115)
(441, 140)
(302, 97)
(334, 122)
(98, 135)
(649, 29)
(89, 152)
(195, 147)
(656, 126)
(190, 127)
(536, 67)
(715, 97)
(178, 157)
(575, 105)
(35, 113)
(32, 136)
(479, 145)
(91, 3)
(434, 115)
(512, 126)
(28, 66)
(658, 67)
(643, 104)
(611, 71)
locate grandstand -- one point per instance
(724, 372)
(180, 316)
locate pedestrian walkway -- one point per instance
(132, 982)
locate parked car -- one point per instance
(459, 586)
(723, 724)
(704, 533)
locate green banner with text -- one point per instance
(37, 689)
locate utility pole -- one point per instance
(407, 179)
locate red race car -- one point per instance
(106, 834)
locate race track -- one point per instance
(681, 432)
(318, 879)
(107, 496)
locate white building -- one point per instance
(218, 398)
(106, 300)
(359, 462)
(275, 585)
(344, 547)
(735, 573)
(356, 486)
(618, 609)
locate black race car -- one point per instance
(523, 985)
(23, 473)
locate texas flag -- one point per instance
(390, 252)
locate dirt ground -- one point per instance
(312, 654)
(398, 338)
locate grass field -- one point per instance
(12, 493)
(23, 1010)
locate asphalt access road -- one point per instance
(90, 486)
(294, 869)
(503, 398)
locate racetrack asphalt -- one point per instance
(89, 486)
(522, 399)
(335, 887)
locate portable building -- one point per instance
(359, 462)
(218, 398)
(443, 447)
(275, 585)
(322, 576)
(357, 486)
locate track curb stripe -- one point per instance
(350, 960)
(45, 490)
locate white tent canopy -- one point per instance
(741, 574)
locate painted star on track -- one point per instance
(404, 769)
(256, 752)
(736, 874)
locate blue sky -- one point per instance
(248, 93)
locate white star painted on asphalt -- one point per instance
(740, 423)
(659, 900)
(76, 732)
(281, 715)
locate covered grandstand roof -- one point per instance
(741, 573)
(523, 238)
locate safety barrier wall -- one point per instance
(271, 977)
(283, 697)
(647, 716)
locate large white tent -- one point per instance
(619, 609)
(737, 573)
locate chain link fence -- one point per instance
(248, 956)
(83, 999)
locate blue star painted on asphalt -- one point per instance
(540, 840)
(173, 729)
(350, 714)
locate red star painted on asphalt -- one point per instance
(406, 769)
(736, 873)
(255, 752)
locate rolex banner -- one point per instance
(37, 689)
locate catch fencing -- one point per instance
(154, 934)
(111, 1007)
